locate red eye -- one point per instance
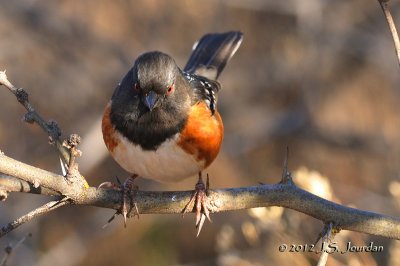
(170, 89)
(136, 87)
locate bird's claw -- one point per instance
(129, 190)
(201, 203)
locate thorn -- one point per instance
(285, 163)
(111, 219)
(286, 175)
(63, 168)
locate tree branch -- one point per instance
(13, 184)
(155, 202)
(392, 26)
(50, 127)
(35, 176)
(52, 205)
(11, 248)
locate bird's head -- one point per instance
(156, 80)
(152, 98)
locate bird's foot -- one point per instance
(129, 190)
(201, 203)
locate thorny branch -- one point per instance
(50, 127)
(169, 202)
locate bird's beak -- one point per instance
(150, 100)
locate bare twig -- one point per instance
(50, 127)
(326, 239)
(323, 258)
(392, 26)
(50, 206)
(10, 249)
(68, 149)
(72, 145)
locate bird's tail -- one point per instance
(212, 52)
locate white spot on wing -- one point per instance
(195, 45)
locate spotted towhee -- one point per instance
(162, 122)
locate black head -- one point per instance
(151, 103)
(156, 74)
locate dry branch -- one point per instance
(11, 249)
(167, 202)
(52, 205)
(392, 26)
(50, 127)
(11, 184)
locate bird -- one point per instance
(162, 122)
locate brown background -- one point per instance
(318, 76)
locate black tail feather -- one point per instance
(212, 52)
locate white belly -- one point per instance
(169, 163)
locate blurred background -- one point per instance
(318, 76)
